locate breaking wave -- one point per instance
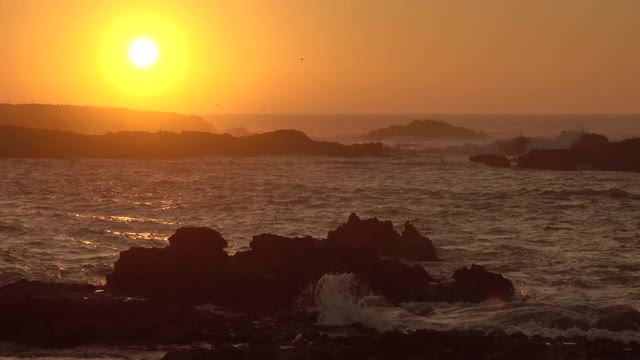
(341, 299)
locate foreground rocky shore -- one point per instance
(58, 316)
(251, 305)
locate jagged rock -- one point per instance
(491, 160)
(195, 268)
(383, 238)
(476, 284)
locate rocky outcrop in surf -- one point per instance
(590, 151)
(271, 275)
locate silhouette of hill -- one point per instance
(21, 142)
(98, 120)
(426, 129)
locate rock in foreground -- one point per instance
(271, 275)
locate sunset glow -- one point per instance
(373, 56)
(229, 179)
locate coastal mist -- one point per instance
(569, 241)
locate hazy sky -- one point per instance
(368, 56)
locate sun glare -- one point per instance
(143, 52)
(144, 55)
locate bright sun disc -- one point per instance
(144, 55)
(143, 52)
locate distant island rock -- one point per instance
(21, 142)
(94, 120)
(425, 129)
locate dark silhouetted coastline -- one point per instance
(94, 120)
(20, 142)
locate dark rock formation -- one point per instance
(195, 268)
(553, 159)
(593, 153)
(185, 270)
(616, 156)
(491, 160)
(22, 142)
(426, 129)
(383, 238)
(589, 141)
(477, 284)
(193, 240)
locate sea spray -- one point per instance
(342, 299)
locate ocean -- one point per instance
(570, 241)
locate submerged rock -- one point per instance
(383, 238)
(491, 160)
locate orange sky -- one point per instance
(367, 56)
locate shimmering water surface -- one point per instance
(570, 241)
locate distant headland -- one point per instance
(21, 142)
(98, 120)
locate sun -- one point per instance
(143, 52)
(144, 55)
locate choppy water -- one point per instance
(569, 240)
